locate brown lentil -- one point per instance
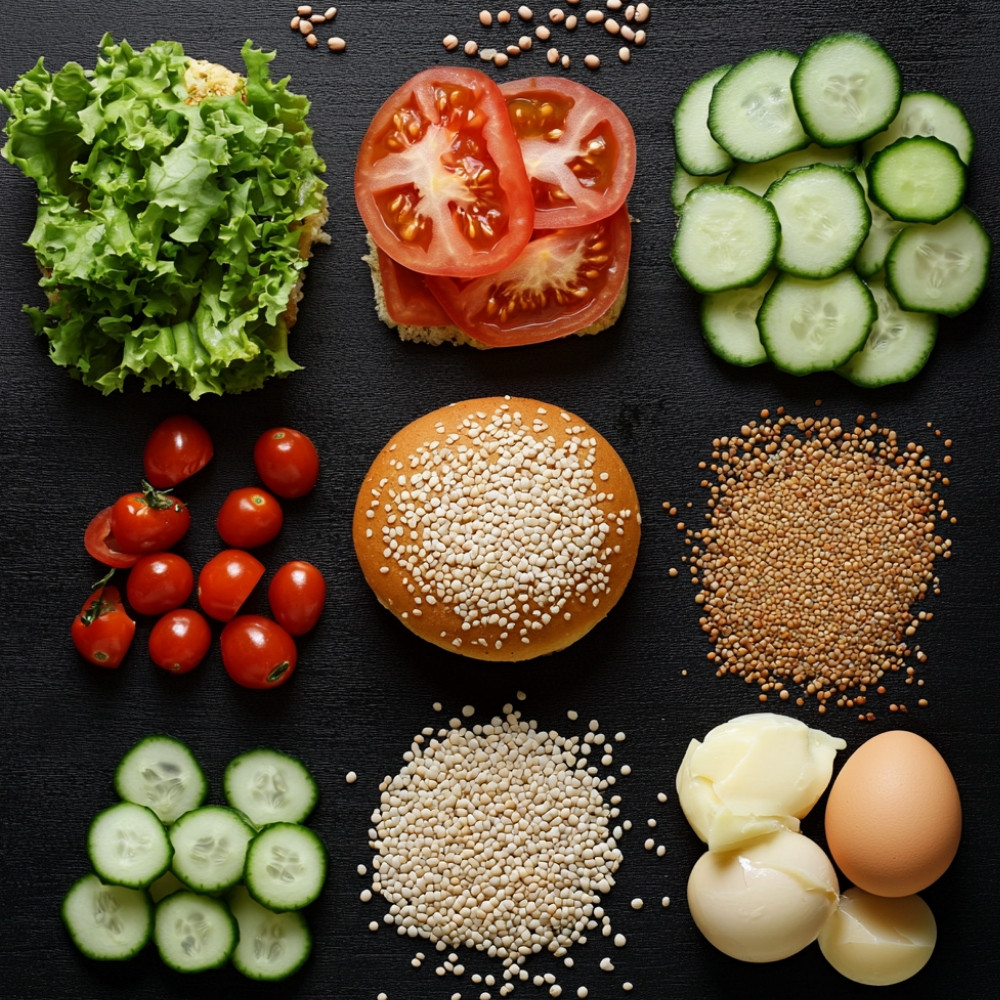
(819, 539)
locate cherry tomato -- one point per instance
(150, 521)
(257, 652)
(226, 581)
(249, 517)
(176, 449)
(439, 181)
(565, 280)
(578, 149)
(100, 543)
(286, 461)
(408, 300)
(159, 582)
(102, 632)
(296, 595)
(179, 640)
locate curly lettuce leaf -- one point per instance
(167, 229)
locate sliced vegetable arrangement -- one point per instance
(499, 210)
(207, 884)
(138, 532)
(821, 211)
(178, 203)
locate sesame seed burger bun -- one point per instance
(498, 528)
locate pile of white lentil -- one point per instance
(623, 24)
(498, 837)
(820, 539)
(306, 20)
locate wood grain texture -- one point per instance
(365, 686)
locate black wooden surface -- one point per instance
(364, 686)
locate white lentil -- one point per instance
(637, 903)
(611, 26)
(350, 777)
(503, 16)
(620, 940)
(524, 12)
(570, 23)
(557, 16)
(607, 965)
(311, 41)
(330, 13)
(594, 16)
(640, 37)
(485, 18)
(665, 901)
(642, 12)
(305, 10)
(583, 992)
(613, 4)
(591, 61)
(627, 986)
(306, 27)
(336, 44)
(295, 22)
(450, 42)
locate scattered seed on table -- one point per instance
(450, 42)
(525, 13)
(485, 18)
(591, 61)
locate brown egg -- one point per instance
(893, 817)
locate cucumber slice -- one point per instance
(729, 323)
(942, 267)
(696, 148)
(846, 87)
(286, 867)
(193, 932)
(210, 847)
(684, 183)
(751, 113)
(163, 774)
(758, 177)
(268, 786)
(919, 179)
(128, 845)
(809, 325)
(272, 945)
(926, 113)
(726, 238)
(883, 230)
(897, 347)
(107, 922)
(824, 219)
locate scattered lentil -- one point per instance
(450, 42)
(819, 540)
(350, 777)
(591, 61)
(336, 44)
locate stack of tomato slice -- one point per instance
(499, 209)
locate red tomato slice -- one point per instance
(439, 180)
(578, 149)
(100, 543)
(564, 281)
(408, 300)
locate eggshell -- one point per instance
(893, 816)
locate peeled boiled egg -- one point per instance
(766, 900)
(893, 816)
(878, 941)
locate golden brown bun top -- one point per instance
(498, 528)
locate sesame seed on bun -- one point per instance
(498, 528)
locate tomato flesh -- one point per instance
(102, 632)
(578, 149)
(565, 280)
(257, 652)
(177, 448)
(439, 182)
(100, 543)
(226, 581)
(159, 582)
(249, 517)
(408, 300)
(180, 640)
(296, 595)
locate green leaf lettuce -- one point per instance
(173, 231)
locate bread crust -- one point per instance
(499, 528)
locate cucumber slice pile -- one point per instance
(867, 184)
(208, 885)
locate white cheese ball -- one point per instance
(877, 940)
(753, 775)
(765, 901)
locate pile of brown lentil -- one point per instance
(819, 541)
(497, 837)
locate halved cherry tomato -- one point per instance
(257, 652)
(176, 449)
(159, 582)
(439, 180)
(249, 517)
(226, 581)
(296, 595)
(408, 300)
(100, 543)
(148, 521)
(179, 640)
(578, 149)
(102, 632)
(286, 461)
(564, 281)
